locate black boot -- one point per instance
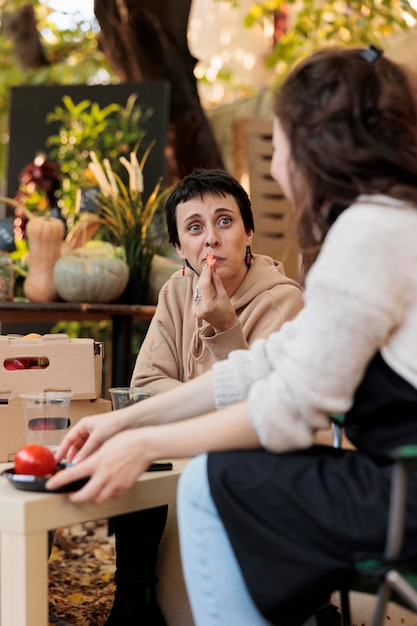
(137, 540)
(328, 615)
(135, 606)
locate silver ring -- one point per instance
(197, 295)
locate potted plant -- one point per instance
(129, 221)
(110, 131)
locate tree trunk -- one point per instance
(147, 40)
(20, 25)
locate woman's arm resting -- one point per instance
(115, 466)
(187, 400)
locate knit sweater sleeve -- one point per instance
(356, 296)
(234, 376)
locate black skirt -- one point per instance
(296, 520)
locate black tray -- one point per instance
(37, 483)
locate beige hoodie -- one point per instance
(178, 346)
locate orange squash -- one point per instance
(45, 236)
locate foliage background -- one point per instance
(291, 29)
(72, 53)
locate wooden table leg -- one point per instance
(24, 579)
(122, 330)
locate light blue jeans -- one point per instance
(216, 589)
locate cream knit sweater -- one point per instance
(360, 298)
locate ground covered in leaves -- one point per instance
(81, 569)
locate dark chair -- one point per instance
(385, 575)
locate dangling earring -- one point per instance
(183, 269)
(248, 256)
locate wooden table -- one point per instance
(26, 517)
(121, 316)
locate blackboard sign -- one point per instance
(29, 130)
(86, 200)
(6, 235)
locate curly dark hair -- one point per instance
(352, 129)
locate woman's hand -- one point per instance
(113, 468)
(87, 436)
(214, 306)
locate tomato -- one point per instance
(21, 363)
(26, 362)
(210, 260)
(34, 460)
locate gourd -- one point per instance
(45, 236)
(90, 276)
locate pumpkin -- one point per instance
(85, 276)
(45, 236)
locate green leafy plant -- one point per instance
(19, 259)
(312, 24)
(72, 52)
(129, 221)
(111, 131)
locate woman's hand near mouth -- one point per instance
(214, 306)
